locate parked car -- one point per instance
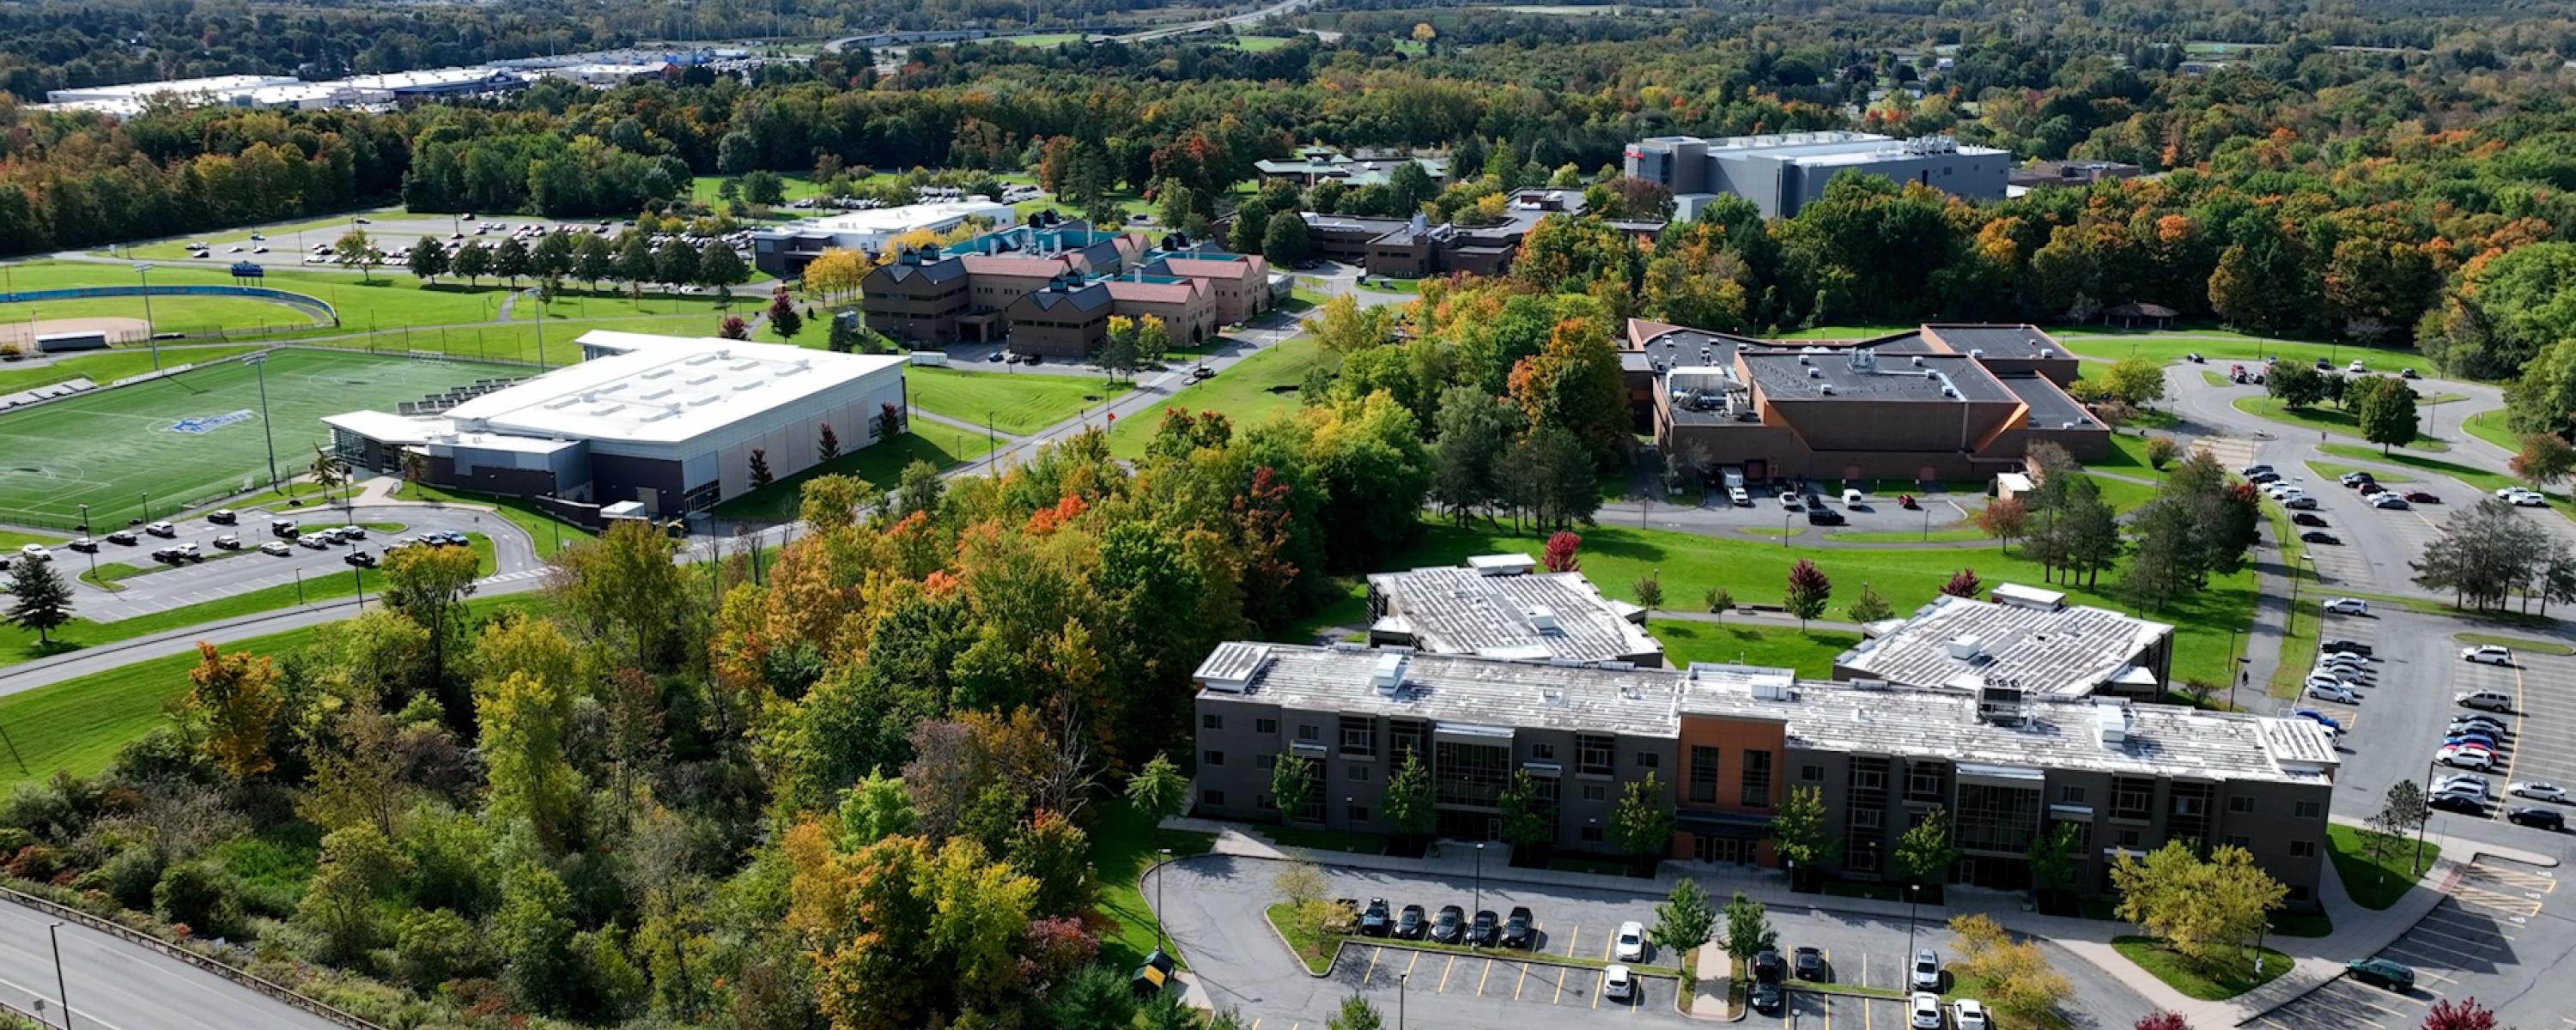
(2348, 606)
(2470, 782)
(2357, 478)
(1411, 924)
(2320, 718)
(283, 527)
(2319, 536)
(2539, 790)
(2488, 700)
(2267, 476)
(2466, 756)
(1766, 997)
(2326, 689)
(276, 547)
(2388, 502)
(2470, 738)
(2253, 470)
(360, 559)
(1808, 963)
(1789, 501)
(123, 536)
(1927, 971)
(1450, 925)
(1927, 1011)
(2538, 818)
(1482, 932)
(2372, 489)
(2459, 803)
(1739, 497)
(2474, 791)
(1824, 517)
(2421, 497)
(1631, 946)
(317, 541)
(162, 529)
(2473, 719)
(1769, 967)
(228, 542)
(223, 516)
(1618, 984)
(1967, 1014)
(2487, 654)
(2347, 646)
(1377, 919)
(83, 544)
(2395, 976)
(2308, 518)
(2408, 373)
(1520, 929)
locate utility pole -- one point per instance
(54, 933)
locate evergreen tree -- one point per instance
(39, 598)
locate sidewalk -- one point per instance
(2358, 932)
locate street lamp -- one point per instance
(1913, 898)
(93, 551)
(1401, 979)
(1163, 855)
(1480, 878)
(2425, 819)
(62, 993)
(143, 272)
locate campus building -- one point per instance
(671, 423)
(1783, 172)
(785, 250)
(1496, 606)
(1727, 742)
(2025, 638)
(1939, 403)
(1313, 165)
(1411, 248)
(1050, 288)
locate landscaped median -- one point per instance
(2197, 980)
(2376, 880)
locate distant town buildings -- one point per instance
(1314, 165)
(2070, 173)
(1783, 172)
(388, 90)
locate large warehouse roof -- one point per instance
(662, 389)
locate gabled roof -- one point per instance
(1170, 291)
(943, 271)
(1214, 268)
(1086, 298)
(1017, 264)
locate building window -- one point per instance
(1356, 773)
(2070, 795)
(1703, 775)
(1359, 736)
(1265, 763)
(1596, 792)
(1868, 819)
(1811, 774)
(2240, 804)
(1757, 779)
(1212, 797)
(1407, 736)
(1923, 782)
(2132, 798)
(1265, 725)
(1591, 835)
(2238, 841)
(1211, 722)
(1212, 758)
(2129, 838)
(1263, 802)
(2298, 892)
(1592, 755)
(2302, 849)
(1469, 774)
(1647, 759)
(1310, 732)
(1868, 779)
(1543, 752)
(1359, 813)
(1992, 818)
(2306, 809)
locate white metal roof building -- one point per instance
(1498, 608)
(671, 422)
(2025, 638)
(219, 89)
(785, 249)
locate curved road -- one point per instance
(105, 977)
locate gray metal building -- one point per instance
(1783, 172)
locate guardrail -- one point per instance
(244, 979)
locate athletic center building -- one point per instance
(674, 424)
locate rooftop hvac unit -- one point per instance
(2111, 722)
(1815, 373)
(1918, 361)
(1542, 618)
(1826, 389)
(1805, 360)
(1999, 704)
(1976, 352)
(1949, 392)
(1965, 646)
(1388, 677)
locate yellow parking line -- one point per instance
(1600, 979)
(1522, 983)
(1572, 934)
(1480, 981)
(1372, 966)
(1408, 967)
(2514, 755)
(1444, 975)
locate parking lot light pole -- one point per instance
(1913, 898)
(2424, 820)
(260, 362)
(1480, 879)
(93, 551)
(1401, 979)
(143, 273)
(62, 993)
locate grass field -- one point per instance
(2329, 420)
(2222, 348)
(1123, 846)
(1018, 402)
(2237, 977)
(78, 725)
(392, 299)
(1249, 393)
(703, 189)
(1811, 652)
(1260, 44)
(105, 367)
(2491, 427)
(192, 315)
(880, 464)
(2375, 881)
(119, 452)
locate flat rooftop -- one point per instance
(661, 389)
(2050, 407)
(2069, 650)
(2000, 341)
(1530, 616)
(1857, 374)
(891, 220)
(1466, 693)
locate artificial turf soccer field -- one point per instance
(196, 435)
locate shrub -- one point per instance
(200, 895)
(432, 948)
(130, 876)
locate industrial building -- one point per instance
(1313, 165)
(2024, 637)
(1497, 607)
(1783, 172)
(784, 250)
(1939, 403)
(1727, 742)
(674, 424)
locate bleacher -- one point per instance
(438, 403)
(42, 394)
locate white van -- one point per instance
(1851, 497)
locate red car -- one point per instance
(2420, 497)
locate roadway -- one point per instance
(101, 974)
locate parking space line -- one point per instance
(1572, 934)
(1444, 975)
(2468, 931)
(1600, 979)
(1480, 981)
(1372, 966)
(2468, 941)
(1408, 966)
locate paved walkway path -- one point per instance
(2358, 932)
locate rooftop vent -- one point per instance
(1815, 373)
(1827, 389)
(1965, 646)
(1542, 618)
(1976, 352)
(2111, 722)
(1918, 361)
(1805, 360)
(1389, 675)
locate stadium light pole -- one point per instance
(260, 362)
(143, 273)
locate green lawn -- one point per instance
(1949, 531)
(2334, 471)
(2121, 494)
(78, 725)
(704, 189)
(105, 367)
(331, 225)
(1811, 652)
(390, 299)
(1314, 949)
(2477, 478)
(2551, 647)
(11, 540)
(122, 452)
(1857, 331)
(2490, 426)
(574, 305)
(1041, 39)
(880, 464)
(1260, 44)
(2329, 420)
(2375, 883)
(191, 315)
(1756, 572)
(1123, 846)
(2307, 618)
(2194, 981)
(1248, 393)
(2223, 348)
(1018, 403)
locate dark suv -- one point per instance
(1482, 932)
(1410, 924)
(1377, 920)
(1520, 931)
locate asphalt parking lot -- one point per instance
(1213, 906)
(1880, 510)
(2493, 940)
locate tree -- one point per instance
(1529, 822)
(592, 259)
(1408, 802)
(1159, 791)
(634, 265)
(2052, 862)
(2018, 981)
(1055, 855)
(760, 474)
(843, 335)
(358, 865)
(2402, 810)
(1283, 241)
(2206, 910)
(734, 328)
(1802, 836)
(1808, 591)
(1559, 555)
(2483, 554)
(1925, 852)
(765, 187)
(327, 471)
(1748, 928)
(1357, 1014)
(551, 258)
(1292, 784)
(1251, 220)
(2003, 519)
(1720, 601)
(2162, 1021)
(429, 585)
(1641, 825)
(675, 263)
(720, 269)
(2464, 1014)
(534, 933)
(1869, 606)
(2137, 381)
(357, 778)
(783, 318)
(1117, 354)
(473, 260)
(827, 444)
(236, 696)
(510, 260)
(526, 718)
(2545, 460)
(428, 259)
(1573, 383)
(39, 598)
(1475, 433)
(355, 250)
(1153, 339)
(1650, 591)
(2386, 412)
(2161, 451)
(1684, 921)
(2296, 385)
(874, 809)
(1963, 583)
